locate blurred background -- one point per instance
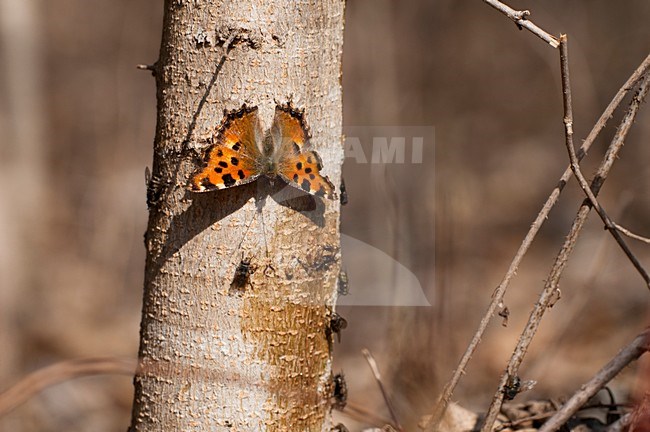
(76, 131)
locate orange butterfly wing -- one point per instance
(297, 165)
(234, 158)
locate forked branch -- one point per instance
(521, 19)
(431, 422)
(575, 164)
(551, 290)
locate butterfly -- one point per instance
(241, 152)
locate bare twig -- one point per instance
(375, 371)
(362, 414)
(48, 376)
(151, 68)
(575, 165)
(628, 354)
(520, 421)
(551, 290)
(636, 76)
(577, 303)
(497, 297)
(630, 234)
(521, 19)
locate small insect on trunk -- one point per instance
(242, 276)
(337, 323)
(340, 391)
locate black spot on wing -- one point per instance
(206, 183)
(218, 170)
(299, 166)
(306, 185)
(228, 180)
(223, 164)
(308, 170)
(236, 146)
(234, 161)
(241, 175)
(312, 176)
(295, 178)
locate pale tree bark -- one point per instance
(210, 358)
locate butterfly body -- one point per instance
(242, 152)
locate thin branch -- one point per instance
(375, 371)
(151, 67)
(57, 373)
(551, 291)
(497, 297)
(630, 234)
(521, 19)
(627, 355)
(575, 165)
(513, 423)
(364, 415)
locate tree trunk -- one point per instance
(257, 359)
